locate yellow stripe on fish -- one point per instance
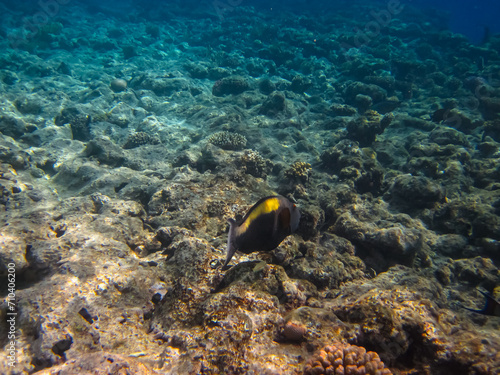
(268, 206)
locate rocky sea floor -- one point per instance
(129, 137)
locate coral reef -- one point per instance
(128, 139)
(99, 363)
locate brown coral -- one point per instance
(364, 129)
(141, 139)
(253, 163)
(345, 359)
(228, 141)
(230, 85)
(299, 171)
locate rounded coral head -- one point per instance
(345, 359)
(118, 85)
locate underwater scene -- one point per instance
(249, 187)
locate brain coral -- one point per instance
(228, 141)
(299, 171)
(140, 139)
(345, 359)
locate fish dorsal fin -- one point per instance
(491, 307)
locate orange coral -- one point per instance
(345, 359)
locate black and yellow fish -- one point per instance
(263, 228)
(492, 306)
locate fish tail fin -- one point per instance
(230, 249)
(491, 307)
(469, 309)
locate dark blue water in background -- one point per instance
(473, 18)
(467, 17)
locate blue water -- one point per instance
(472, 18)
(467, 17)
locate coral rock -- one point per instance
(80, 127)
(230, 85)
(342, 110)
(416, 191)
(266, 86)
(364, 129)
(273, 105)
(99, 363)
